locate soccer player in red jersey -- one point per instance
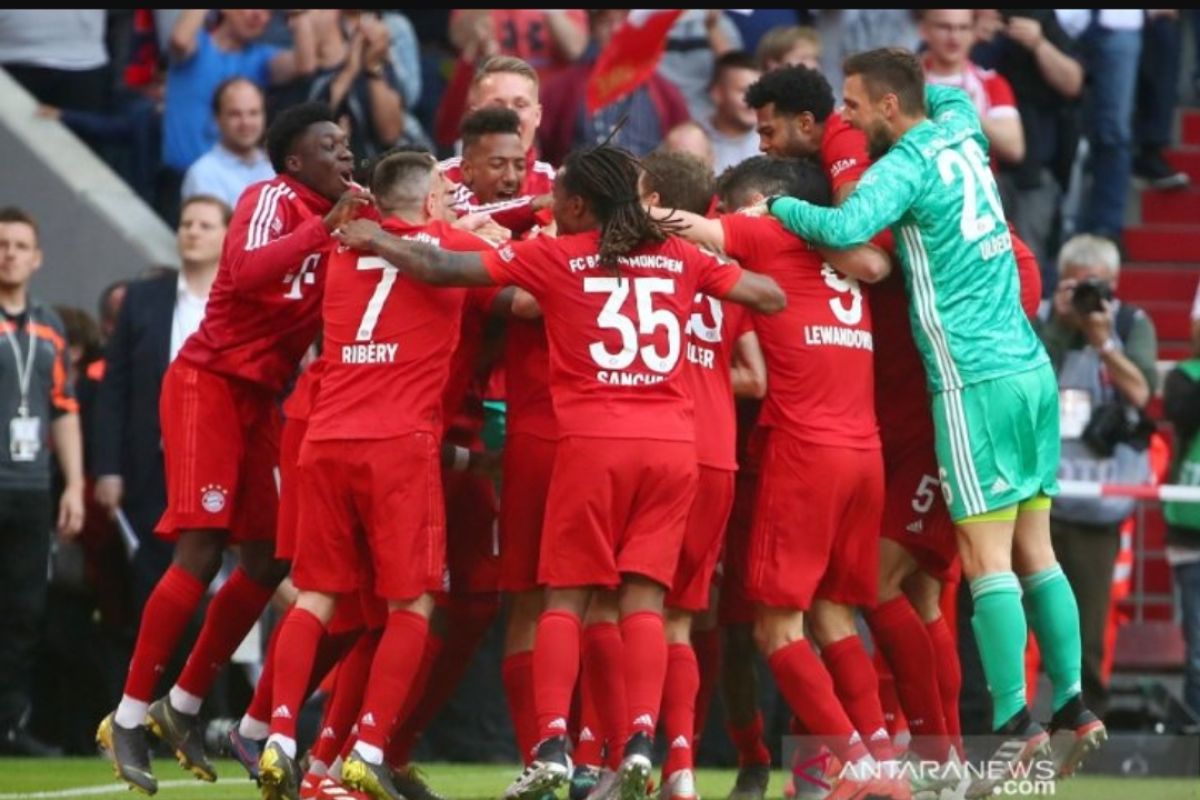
(221, 433)
(723, 360)
(507, 82)
(371, 511)
(616, 294)
(821, 463)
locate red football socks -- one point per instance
(901, 636)
(857, 687)
(555, 669)
(808, 689)
(230, 616)
(392, 677)
(413, 716)
(165, 617)
(679, 707)
(645, 669)
(949, 675)
(516, 671)
(748, 739)
(294, 656)
(343, 704)
(603, 685)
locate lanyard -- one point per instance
(24, 373)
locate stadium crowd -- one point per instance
(258, 134)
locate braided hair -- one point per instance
(607, 178)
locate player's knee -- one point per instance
(267, 572)
(774, 630)
(199, 553)
(678, 625)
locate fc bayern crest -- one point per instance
(212, 499)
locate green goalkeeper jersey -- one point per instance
(935, 190)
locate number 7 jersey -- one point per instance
(616, 335)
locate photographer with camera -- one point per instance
(1104, 354)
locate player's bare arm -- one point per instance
(749, 367)
(427, 264)
(759, 293)
(693, 227)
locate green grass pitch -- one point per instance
(52, 779)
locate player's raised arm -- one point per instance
(693, 227)
(427, 264)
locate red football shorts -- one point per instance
(616, 506)
(472, 540)
(289, 493)
(528, 462)
(702, 540)
(914, 513)
(361, 610)
(220, 447)
(735, 606)
(816, 525)
(371, 510)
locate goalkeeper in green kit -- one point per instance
(994, 393)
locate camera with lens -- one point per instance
(1115, 423)
(1089, 295)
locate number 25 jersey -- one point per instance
(616, 335)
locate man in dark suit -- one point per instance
(156, 318)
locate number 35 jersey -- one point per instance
(819, 350)
(617, 335)
(388, 342)
(265, 305)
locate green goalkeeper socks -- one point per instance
(1000, 633)
(1054, 618)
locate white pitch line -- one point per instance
(88, 791)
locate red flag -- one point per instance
(630, 57)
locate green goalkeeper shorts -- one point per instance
(997, 441)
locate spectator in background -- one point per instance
(1110, 47)
(1181, 406)
(697, 39)
(653, 108)
(847, 31)
(41, 413)
(1104, 353)
(109, 307)
(237, 159)
(156, 318)
(756, 24)
(58, 56)
(731, 126)
(361, 87)
(548, 40)
(1033, 52)
(1157, 96)
(948, 35)
(200, 60)
(789, 47)
(690, 137)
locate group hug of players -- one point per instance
(634, 300)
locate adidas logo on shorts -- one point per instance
(1000, 486)
(915, 527)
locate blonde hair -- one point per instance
(1087, 250)
(499, 64)
(778, 42)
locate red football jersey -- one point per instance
(843, 151)
(265, 305)
(462, 400)
(712, 331)
(516, 214)
(299, 403)
(616, 335)
(388, 342)
(527, 380)
(819, 351)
